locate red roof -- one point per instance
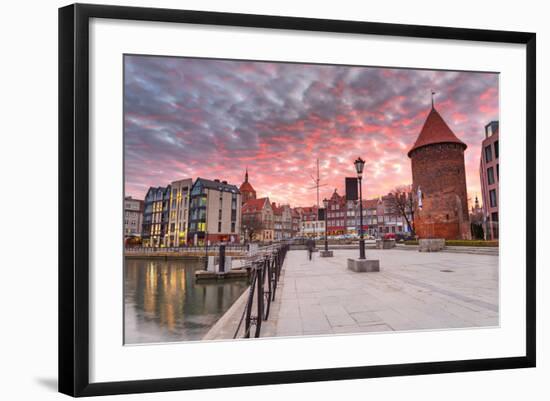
(435, 130)
(254, 205)
(246, 187)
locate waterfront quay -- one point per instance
(412, 291)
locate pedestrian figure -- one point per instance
(310, 245)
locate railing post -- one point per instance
(222, 259)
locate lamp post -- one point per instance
(359, 164)
(325, 204)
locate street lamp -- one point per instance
(359, 164)
(325, 204)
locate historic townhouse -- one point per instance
(258, 220)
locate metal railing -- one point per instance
(185, 249)
(265, 272)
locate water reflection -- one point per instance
(162, 302)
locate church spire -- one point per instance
(246, 175)
(433, 93)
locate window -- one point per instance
(219, 226)
(496, 149)
(490, 176)
(493, 198)
(488, 154)
(494, 216)
(497, 172)
(219, 214)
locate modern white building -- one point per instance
(178, 217)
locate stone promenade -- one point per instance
(413, 291)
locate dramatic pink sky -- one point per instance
(213, 118)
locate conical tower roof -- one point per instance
(435, 130)
(246, 186)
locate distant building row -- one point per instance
(185, 213)
(265, 221)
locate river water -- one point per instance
(162, 302)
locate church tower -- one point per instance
(246, 189)
(439, 177)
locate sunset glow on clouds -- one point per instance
(189, 118)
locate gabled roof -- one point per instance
(435, 130)
(255, 205)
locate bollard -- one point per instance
(221, 265)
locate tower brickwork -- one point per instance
(438, 169)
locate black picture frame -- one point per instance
(74, 198)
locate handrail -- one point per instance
(266, 268)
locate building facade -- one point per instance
(258, 221)
(380, 216)
(295, 222)
(489, 177)
(156, 216)
(390, 219)
(337, 214)
(214, 212)
(286, 220)
(439, 176)
(277, 222)
(133, 217)
(179, 212)
(282, 222)
(310, 224)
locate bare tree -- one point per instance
(251, 224)
(403, 204)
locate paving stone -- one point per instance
(365, 317)
(409, 293)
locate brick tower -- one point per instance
(437, 162)
(246, 189)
